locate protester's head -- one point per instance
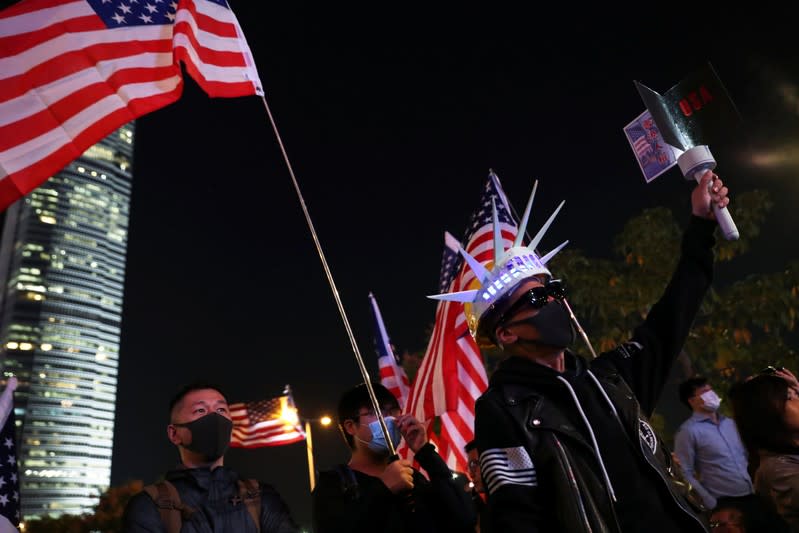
(534, 319)
(358, 423)
(515, 271)
(766, 411)
(745, 514)
(698, 395)
(200, 424)
(474, 466)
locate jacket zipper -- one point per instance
(573, 482)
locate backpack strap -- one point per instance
(349, 483)
(166, 497)
(250, 494)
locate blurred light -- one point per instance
(47, 347)
(12, 345)
(325, 420)
(25, 346)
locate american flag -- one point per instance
(452, 375)
(392, 376)
(272, 422)
(641, 146)
(9, 479)
(73, 71)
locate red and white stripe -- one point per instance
(452, 375)
(67, 81)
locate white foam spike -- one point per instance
(462, 296)
(540, 235)
(499, 249)
(552, 253)
(523, 224)
(479, 270)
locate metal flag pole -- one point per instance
(333, 288)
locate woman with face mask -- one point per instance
(378, 492)
(766, 408)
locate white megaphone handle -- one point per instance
(694, 162)
(723, 216)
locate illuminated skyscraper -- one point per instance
(62, 269)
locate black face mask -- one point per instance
(210, 435)
(553, 325)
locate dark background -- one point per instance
(392, 117)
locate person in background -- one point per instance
(708, 446)
(745, 514)
(766, 408)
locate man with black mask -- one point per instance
(565, 444)
(202, 495)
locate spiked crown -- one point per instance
(510, 268)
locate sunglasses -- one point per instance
(537, 297)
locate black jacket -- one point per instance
(538, 431)
(212, 495)
(438, 504)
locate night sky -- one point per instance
(392, 120)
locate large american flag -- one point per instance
(272, 422)
(72, 71)
(452, 375)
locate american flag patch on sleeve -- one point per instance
(507, 466)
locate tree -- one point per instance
(107, 516)
(741, 327)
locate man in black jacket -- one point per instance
(203, 495)
(565, 445)
(375, 493)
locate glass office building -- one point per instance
(62, 268)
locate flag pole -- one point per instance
(309, 449)
(329, 274)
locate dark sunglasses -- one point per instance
(537, 297)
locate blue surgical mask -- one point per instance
(378, 443)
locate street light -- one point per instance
(325, 421)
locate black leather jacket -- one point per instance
(212, 494)
(543, 462)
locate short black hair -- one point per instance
(191, 387)
(688, 388)
(471, 445)
(759, 514)
(759, 408)
(353, 400)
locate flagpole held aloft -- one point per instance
(329, 274)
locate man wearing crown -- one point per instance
(565, 444)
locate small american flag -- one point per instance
(9, 478)
(272, 422)
(73, 71)
(641, 146)
(392, 376)
(452, 375)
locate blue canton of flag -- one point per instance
(118, 13)
(452, 260)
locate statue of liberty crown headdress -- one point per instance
(510, 268)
